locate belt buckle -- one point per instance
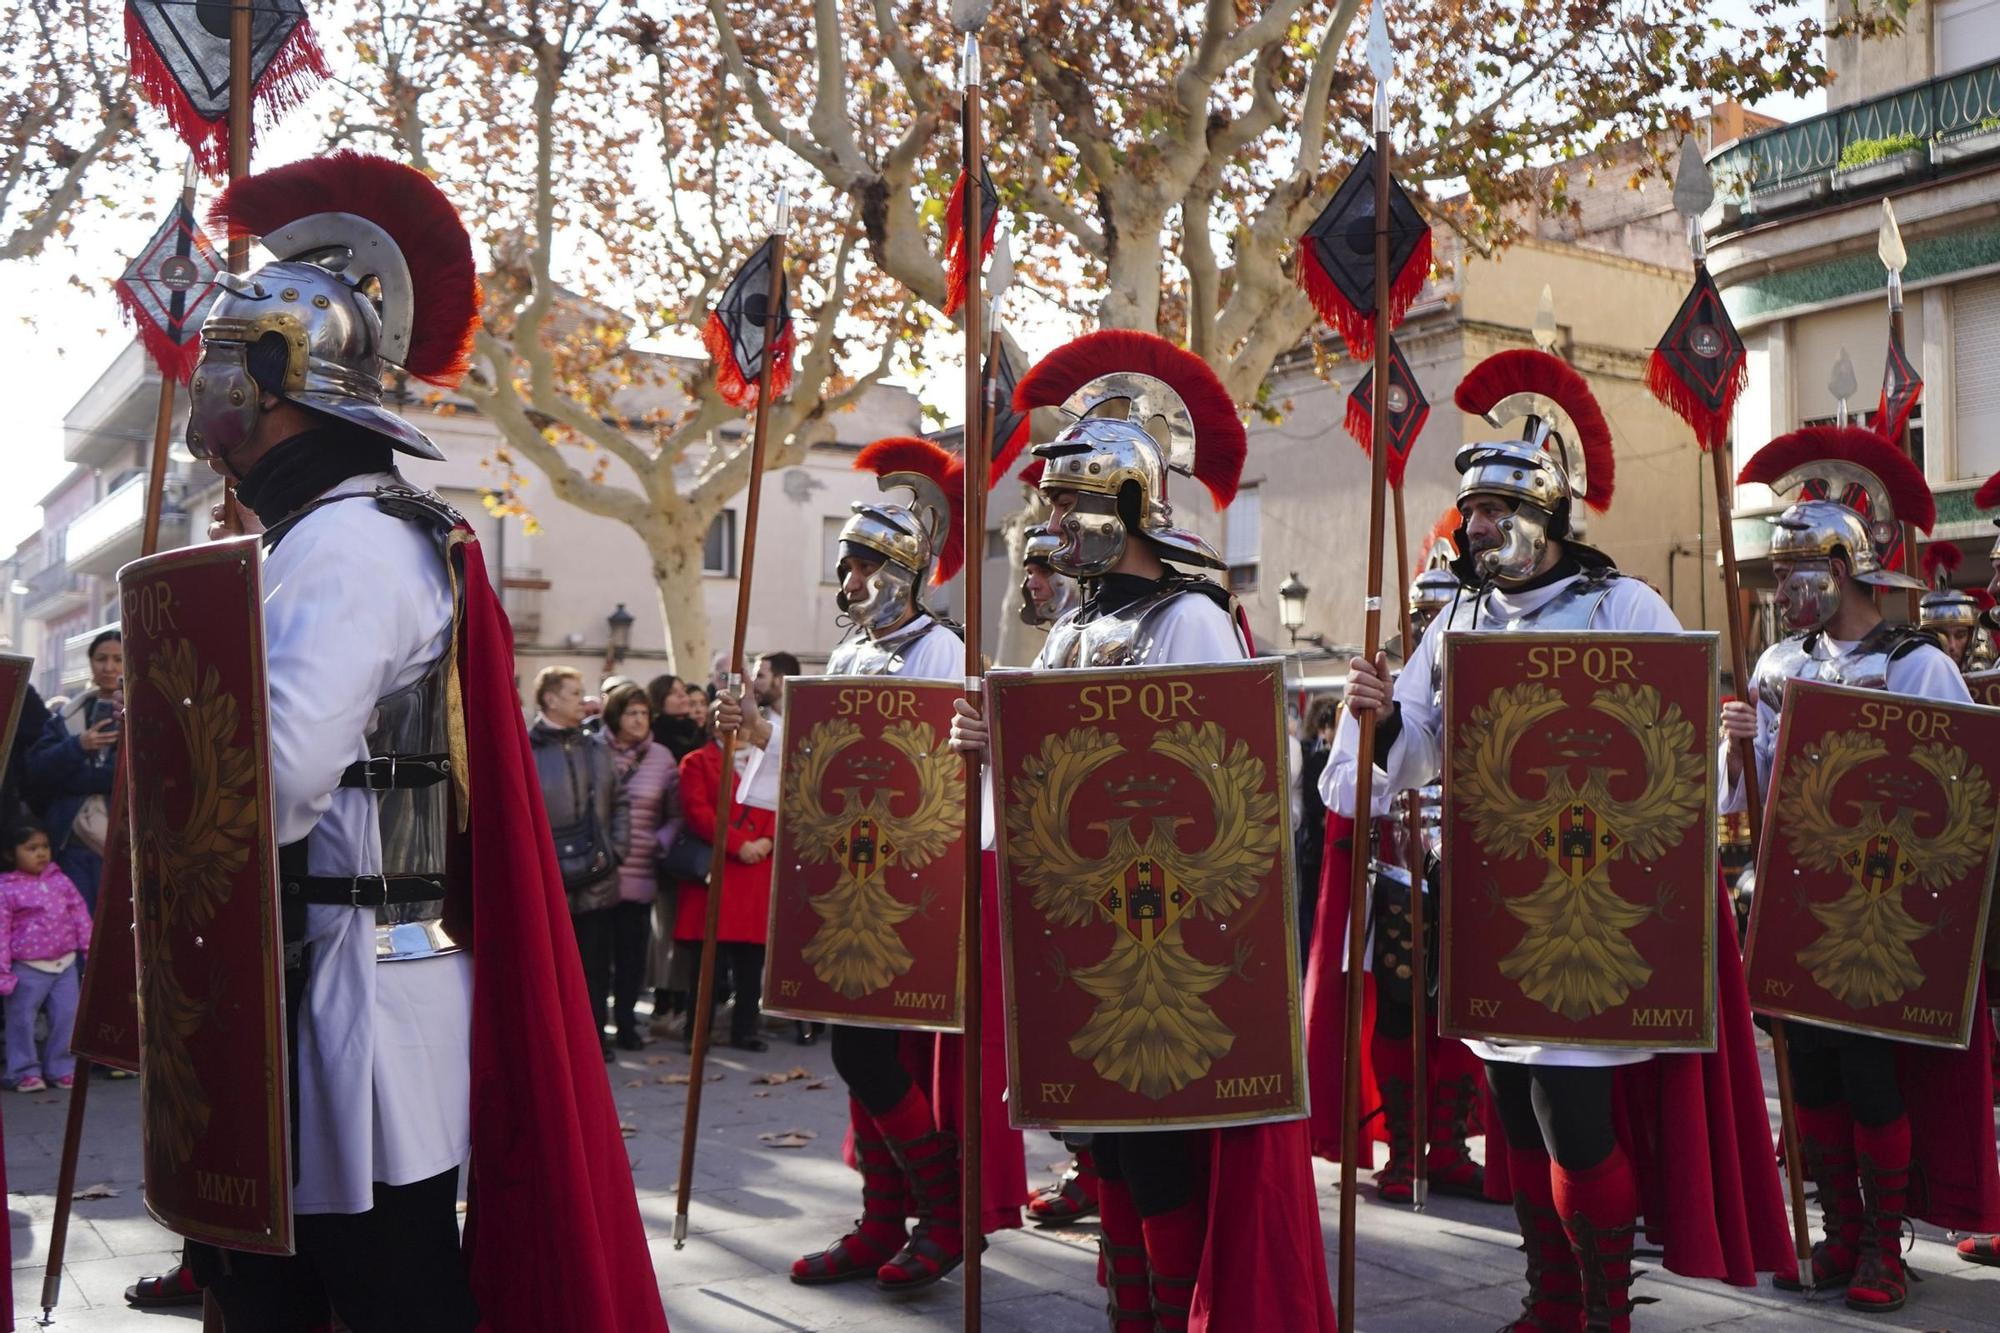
(354, 893)
(379, 772)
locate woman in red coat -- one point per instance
(746, 887)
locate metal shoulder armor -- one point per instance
(1120, 638)
(865, 655)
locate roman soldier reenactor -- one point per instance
(1576, 1168)
(904, 1108)
(1951, 614)
(1456, 1097)
(1871, 1111)
(1202, 1229)
(436, 1010)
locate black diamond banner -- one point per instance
(1337, 257)
(1408, 410)
(1698, 367)
(179, 50)
(168, 288)
(735, 334)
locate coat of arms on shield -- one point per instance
(867, 882)
(215, 1115)
(1579, 839)
(1875, 872)
(1147, 896)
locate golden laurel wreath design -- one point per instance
(1151, 1031)
(1576, 956)
(857, 949)
(1864, 956)
(192, 865)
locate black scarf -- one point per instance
(299, 470)
(1113, 593)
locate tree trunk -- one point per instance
(678, 578)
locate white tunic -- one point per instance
(1924, 672)
(357, 605)
(938, 655)
(1417, 756)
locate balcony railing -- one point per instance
(521, 596)
(107, 534)
(1926, 130)
(54, 592)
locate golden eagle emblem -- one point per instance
(1575, 956)
(187, 860)
(1151, 1031)
(857, 949)
(1864, 957)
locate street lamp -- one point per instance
(619, 642)
(1292, 605)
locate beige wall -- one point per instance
(1865, 69)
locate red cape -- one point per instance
(1264, 1266)
(553, 1239)
(1326, 1017)
(1696, 1127)
(1949, 1097)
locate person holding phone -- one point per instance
(74, 762)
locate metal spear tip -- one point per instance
(1694, 187)
(969, 16)
(1844, 382)
(1889, 241)
(1545, 330)
(968, 62)
(1381, 59)
(781, 222)
(999, 273)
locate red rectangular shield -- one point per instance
(1148, 902)
(107, 1012)
(215, 1120)
(1579, 840)
(1985, 687)
(1875, 870)
(868, 879)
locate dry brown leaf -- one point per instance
(761, 1092)
(635, 1082)
(789, 1138)
(678, 1078)
(627, 1128)
(775, 1077)
(96, 1192)
(816, 1085)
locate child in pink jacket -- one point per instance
(44, 928)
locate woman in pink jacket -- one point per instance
(44, 927)
(652, 780)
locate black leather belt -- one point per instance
(397, 772)
(361, 890)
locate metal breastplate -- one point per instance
(415, 822)
(865, 655)
(1120, 638)
(1574, 607)
(1799, 657)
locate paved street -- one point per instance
(758, 1206)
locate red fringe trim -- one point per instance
(1006, 451)
(737, 389)
(1360, 422)
(1710, 428)
(1355, 326)
(956, 270)
(173, 358)
(298, 68)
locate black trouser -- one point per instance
(631, 941)
(870, 1062)
(1157, 1166)
(743, 967)
(1829, 1067)
(393, 1269)
(1564, 1110)
(593, 942)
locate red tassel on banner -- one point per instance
(1711, 428)
(730, 382)
(1356, 326)
(173, 358)
(298, 68)
(1360, 424)
(956, 269)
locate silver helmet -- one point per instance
(1879, 489)
(1062, 595)
(1559, 461)
(1431, 595)
(1140, 408)
(904, 543)
(373, 276)
(1946, 608)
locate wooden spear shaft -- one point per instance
(1413, 863)
(1753, 798)
(973, 929)
(725, 799)
(1364, 765)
